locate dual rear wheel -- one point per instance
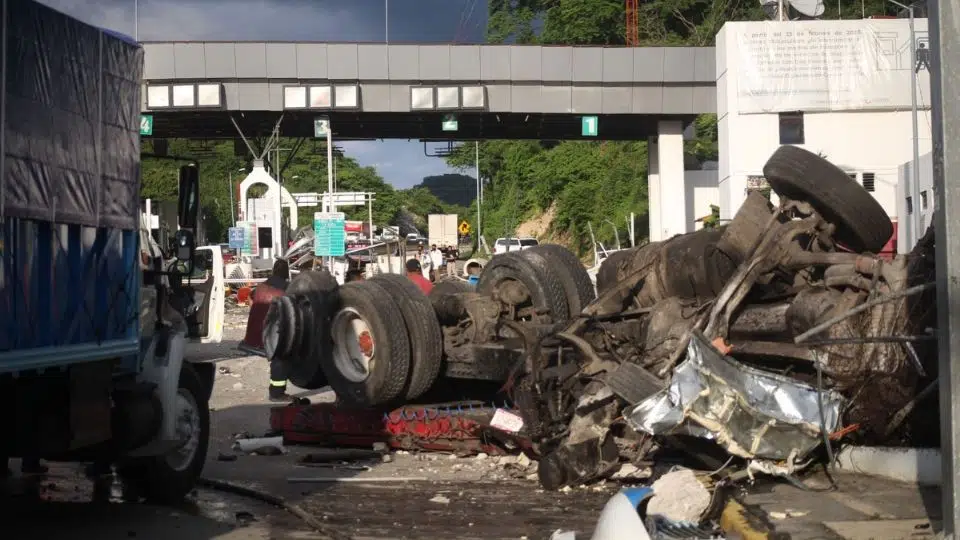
(385, 344)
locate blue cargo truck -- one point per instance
(94, 323)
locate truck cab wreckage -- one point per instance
(765, 336)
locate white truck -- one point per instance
(442, 230)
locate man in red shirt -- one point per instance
(415, 273)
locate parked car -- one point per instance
(503, 245)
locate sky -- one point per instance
(401, 163)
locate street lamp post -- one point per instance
(233, 205)
(479, 187)
(915, 166)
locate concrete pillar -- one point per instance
(653, 191)
(672, 189)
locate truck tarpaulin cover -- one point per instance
(70, 119)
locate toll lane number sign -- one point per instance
(146, 124)
(589, 126)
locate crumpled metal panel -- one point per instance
(750, 412)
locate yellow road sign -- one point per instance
(464, 227)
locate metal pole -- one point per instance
(914, 188)
(331, 206)
(915, 167)
(278, 206)
(370, 216)
(233, 206)
(386, 21)
(136, 20)
(479, 184)
(944, 27)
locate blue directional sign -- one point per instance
(329, 234)
(236, 237)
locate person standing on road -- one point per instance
(437, 262)
(274, 286)
(452, 255)
(426, 262)
(415, 273)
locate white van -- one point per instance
(503, 245)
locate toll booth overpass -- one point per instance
(211, 90)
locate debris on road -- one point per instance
(679, 497)
(460, 428)
(264, 446)
(356, 479)
(747, 348)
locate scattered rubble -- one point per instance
(748, 348)
(679, 497)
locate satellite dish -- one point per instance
(808, 8)
(792, 9)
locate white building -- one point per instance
(910, 230)
(674, 206)
(837, 88)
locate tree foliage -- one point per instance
(306, 172)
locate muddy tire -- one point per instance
(168, 479)
(534, 273)
(316, 298)
(369, 360)
(451, 286)
(862, 224)
(573, 276)
(609, 273)
(426, 339)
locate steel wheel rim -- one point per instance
(354, 348)
(187, 429)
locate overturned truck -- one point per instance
(768, 336)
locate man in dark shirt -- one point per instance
(274, 286)
(353, 275)
(415, 273)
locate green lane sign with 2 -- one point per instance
(329, 234)
(589, 126)
(146, 124)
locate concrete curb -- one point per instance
(913, 465)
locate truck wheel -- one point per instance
(862, 224)
(426, 339)
(316, 300)
(608, 273)
(168, 479)
(573, 276)
(450, 286)
(369, 361)
(281, 328)
(534, 276)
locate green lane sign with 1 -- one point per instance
(450, 122)
(146, 124)
(589, 126)
(329, 234)
(321, 126)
